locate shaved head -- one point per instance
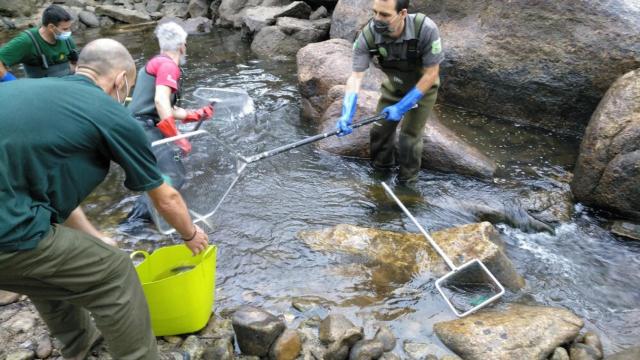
(106, 57)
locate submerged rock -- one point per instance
(404, 254)
(628, 354)
(626, 229)
(607, 172)
(517, 332)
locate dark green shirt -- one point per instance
(57, 138)
(21, 50)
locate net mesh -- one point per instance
(469, 287)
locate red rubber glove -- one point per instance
(167, 127)
(204, 112)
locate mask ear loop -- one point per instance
(126, 84)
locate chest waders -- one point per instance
(41, 68)
(402, 76)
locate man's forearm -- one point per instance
(429, 77)
(78, 220)
(173, 209)
(3, 69)
(354, 82)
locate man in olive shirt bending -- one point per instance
(55, 148)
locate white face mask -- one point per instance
(183, 60)
(124, 98)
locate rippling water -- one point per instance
(262, 262)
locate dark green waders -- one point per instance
(71, 277)
(382, 135)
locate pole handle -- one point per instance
(306, 141)
(422, 230)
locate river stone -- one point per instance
(626, 229)
(390, 356)
(607, 172)
(221, 349)
(179, 10)
(287, 347)
(198, 8)
(320, 13)
(22, 354)
(418, 350)
(22, 322)
(324, 65)
(7, 297)
(386, 337)
(13, 8)
(256, 18)
(89, 18)
(288, 36)
(120, 14)
(366, 350)
(560, 353)
(408, 253)
(333, 328)
(581, 351)
(193, 346)
(517, 332)
(218, 329)
(628, 354)
(550, 206)
(349, 17)
(44, 348)
(592, 340)
(256, 330)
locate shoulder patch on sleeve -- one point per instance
(436, 47)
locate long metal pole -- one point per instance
(423, 231)
(306, 141)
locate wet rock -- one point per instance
(607, 173)
(517, 332)
(218, 329)
(324, 65)
(22, 354)
(288, 36)
(549, 206)
(44, 348)
(329, 4)
(407, 253)
(334, 326)
(256, 330)
(198, 8)
(390, 356)
(121, 14)
(626, 229)
(153, 6)
(510, 212)
(14, 8)
(417, 350)
(106, 21)
(560, 353)
(349, 17)
(628, 354)
(386, 337)
(319, 13)
(287, 347)
(592, 340)
(450, 357)
(7, 297)
(197, 25)
(179, 10)
(257, 18)
(366, 350)
(581, 351)
(22, 322)
(193, 346)
(89, 18)
(221, 349)
(174, 340)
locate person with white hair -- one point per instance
(154, 99)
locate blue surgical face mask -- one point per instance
(62, 36)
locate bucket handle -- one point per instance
(142, 253)
(207, 252)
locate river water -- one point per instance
(262, 262)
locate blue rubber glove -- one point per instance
(348, 111)
(396, 112)
(7, 77)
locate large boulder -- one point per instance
(122, 14)
(518, 332)
(13, 8)
(524, 60)
(232, 12)
(404, 254)
(324, 65)
(442, 149)
(288, 36)
(607, 173)
(256, 18)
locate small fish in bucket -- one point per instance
(466, 288)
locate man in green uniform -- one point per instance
(407, 48)
(46, 51)
(55, 148)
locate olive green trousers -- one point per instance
(70, 277)
(382, 143)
